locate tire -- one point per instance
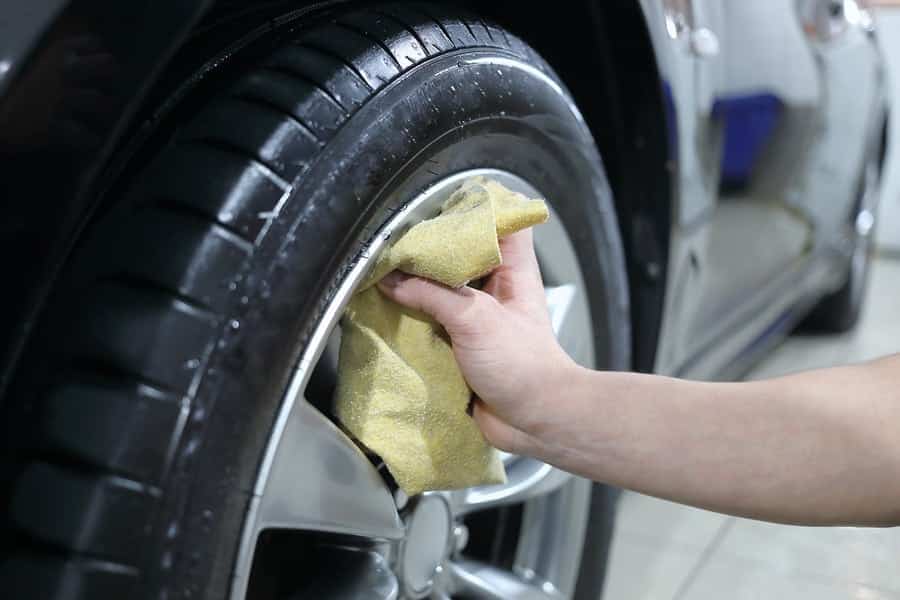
(137, 420)
(839, 311)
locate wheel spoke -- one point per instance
(526, 478)
(490, 583)
(570, 319)
(559, 302)
(319, 480)
(550, 531)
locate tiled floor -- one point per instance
(663, 551)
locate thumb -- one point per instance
(451, 307)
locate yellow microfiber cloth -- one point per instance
(399, 390)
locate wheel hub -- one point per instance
(427, 544)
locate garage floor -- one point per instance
(665, 551)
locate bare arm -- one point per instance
(821, 447)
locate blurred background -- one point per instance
(665, 551)
(888, 233)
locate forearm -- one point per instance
(821, 447)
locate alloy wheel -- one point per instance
(369, 540)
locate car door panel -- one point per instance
(772, 128)
(765, 98)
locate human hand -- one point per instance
(503, 341)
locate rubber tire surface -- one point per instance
(839, 311)
(149, 388)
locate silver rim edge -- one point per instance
(314, 478)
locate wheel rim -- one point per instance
(314, 479)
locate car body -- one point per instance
(742, 143)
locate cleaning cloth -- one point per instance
(400, 391)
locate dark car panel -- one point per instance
(70, 90)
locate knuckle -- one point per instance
(474, 312)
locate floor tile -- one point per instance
(655, 520)
(838, 554)
(644, 570)
(743, 580)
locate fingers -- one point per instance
(497, 432)
(458, 310)
(518, 251)
(518, 279)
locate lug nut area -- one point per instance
(460, 537)
(430, 537)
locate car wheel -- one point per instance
(169, 433)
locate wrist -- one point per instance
(557, 407)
